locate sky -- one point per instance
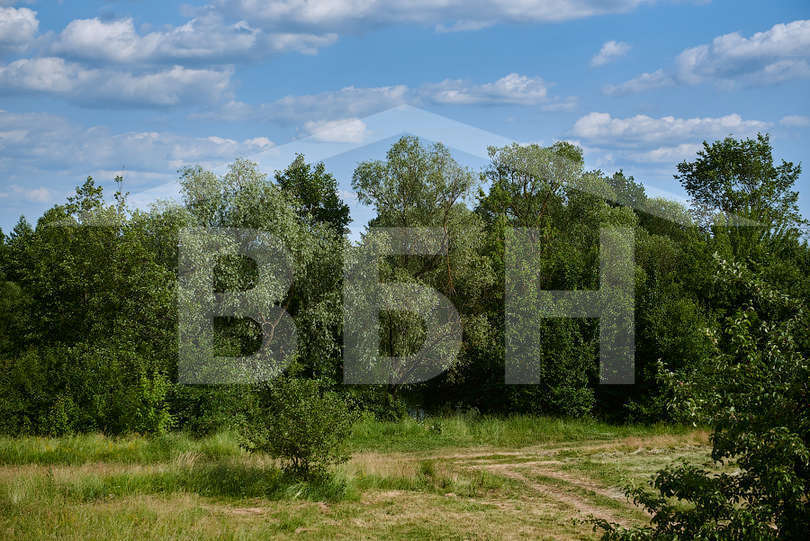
(141, 89)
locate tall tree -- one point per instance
(315, 190)
(420, 185)
(739, 177)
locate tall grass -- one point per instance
(368, 434)
(227, 480)
(512, 431)
(134, 449)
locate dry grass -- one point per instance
(540, 491)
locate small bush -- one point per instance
(303, 426)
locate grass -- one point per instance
(514, 431)
(445, 478)
(367, 435)
(92, 448)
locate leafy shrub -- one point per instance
(147, 410)
(758, 390)
(302, 425)
(63, 390)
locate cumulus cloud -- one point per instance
(206, 38)
(168, 87)
(350, 101)
(38, 145)
(18, 27)
(609, 52)
(347, 130)
(778, 54)
(657, 142)
(32, 195)
(795, 121)
(511, 89)
(642, 129)
(666, 154)
(645, 81)
(353, 102)
(446, 14)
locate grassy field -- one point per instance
(444, 478)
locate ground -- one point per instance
(448, 480)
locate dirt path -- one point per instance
(546, 470)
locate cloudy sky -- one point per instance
(96, 87)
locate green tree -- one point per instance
(420, 185)
(755, 390)
(302, 424)
(738, 177)
(316, 193)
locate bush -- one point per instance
(757, 389)
(65, 390)
(302, 425)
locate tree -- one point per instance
(755, 390)
(527, 179)
(420, 185)
(316, 193)
(738, 177)
(303, 425)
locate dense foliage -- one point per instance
(756, 395)
(88, 311)
(301, 425)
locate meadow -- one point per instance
(457, 477)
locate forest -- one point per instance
(91, 294)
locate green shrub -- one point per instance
(56, 391)
(757, 389)
(147, 410)
(302, 425)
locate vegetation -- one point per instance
(89, 336)
(758, 395)
(471, 484)
(303, 427)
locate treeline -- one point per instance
(88, 296)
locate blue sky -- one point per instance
(143, 88)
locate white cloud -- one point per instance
(353, 102)
(795, 121)
(347, 102)
(642, 129)
(347, 130)
(18, 27)
(35, 195)
(609, 52)
(648, 140)
(778, 54)
(645, 81)
(172, 86)
(44, 144)
(31, 195)
(513, 89)
(444, 14)
(666, 154)
(206, 38)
